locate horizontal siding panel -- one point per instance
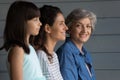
(1, 42)
(57, 1)
(3, 11)
(102, 11)
(106, 61)
(10, 1)
(104, 44)
(107, 26)
(3, 58)
(4, 76)
(108, 74)
(110, 8)
(2, 25)
(6, 1)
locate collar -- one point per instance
(74, 47)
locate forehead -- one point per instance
(59, 18)
(83, 21)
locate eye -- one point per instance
(89, 26)
(36, 18)
(79, 25)
(62, 23)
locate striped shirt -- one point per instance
(50, 70)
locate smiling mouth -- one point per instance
(64, 33)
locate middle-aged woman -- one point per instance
(52, 30)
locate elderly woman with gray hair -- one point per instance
(75, 60)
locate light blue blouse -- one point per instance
(31, 66)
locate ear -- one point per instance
(47, 28)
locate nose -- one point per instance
(84, 29)
(66, 28)
(40, 23)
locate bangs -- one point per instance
(31, 13)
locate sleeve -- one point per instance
(67, 64)
(43, 63)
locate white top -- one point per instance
(50, 70)
(31, 66)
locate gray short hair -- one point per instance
(78, 14)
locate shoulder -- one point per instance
(15, 52)
(64, 52)
(65, 49)
(41, 54)
(17, 49)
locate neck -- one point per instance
(78, 44)
(50, 44)
(27, 39)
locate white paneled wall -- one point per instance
(104, 43)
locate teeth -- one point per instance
(83, 35)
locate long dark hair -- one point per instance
(48, 16)
(15, 28)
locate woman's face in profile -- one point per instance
(58, 29)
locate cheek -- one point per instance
(90, 32)
(75, 32)
(55, 30)
(32, 30)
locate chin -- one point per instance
(63, 38)
(35, 34)
(83, 40)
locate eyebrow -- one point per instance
(82, 23)
(61, 21)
